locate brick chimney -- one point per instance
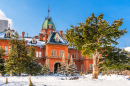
(36, 36)
(13, 30)
(61, 33)
(40, 36)
(23, 34)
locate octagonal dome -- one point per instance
(48, 22)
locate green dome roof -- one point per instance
(47, 22)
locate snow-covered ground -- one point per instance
(113, 80)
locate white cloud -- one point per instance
(127, 49)
(3, 17)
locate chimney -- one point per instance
(23, 34)
(40, 36)
(36, 36)
(13, 30)
(61, 33)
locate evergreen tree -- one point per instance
(72, 69)
(2, 68)
(33, 67)
(63, 66)
(17, 60)
(95, 33)
(46, 69)
(114, 59)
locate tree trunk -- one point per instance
(95, 66)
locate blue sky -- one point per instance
(28, 15)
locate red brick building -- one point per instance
(51, 45)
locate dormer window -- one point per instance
(34, 41)
(50, 26)
(8, 34)
(57, 38)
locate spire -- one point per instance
(48, 11)
(9, 27)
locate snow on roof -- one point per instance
(39, 43)
(2, 34)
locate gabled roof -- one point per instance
(39, 43)
(52, 39)
(2, 34)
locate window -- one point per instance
(82, 56)
(49, 32)
(6, 50)
(68, 55)
(63, 52)
(82, 66)
(57, 39)
(75, 56)
(90, 66)
(51, 52)
(49, 26)
(8, 35)
(60, 53)
(54, 52)
(37, 54)
(33, 41)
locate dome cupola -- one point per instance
(48, 23)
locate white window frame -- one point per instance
(40, 54)
(36, 53)
(6, 49)
(90, 66)
(75, 56)
(52, 53)
(60, 53)
(63, 52)
(55, 53)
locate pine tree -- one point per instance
(2, 67)
(63, 66)
(17, 60)
(115, 60)
(72, 69)
(33, 67)
(95, 33)
(46, 69)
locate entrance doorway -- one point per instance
(56, 67)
